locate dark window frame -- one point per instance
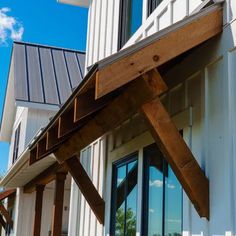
(145, 192)
(123, 22)
(16, 143)
(115, 165)
(152, 5)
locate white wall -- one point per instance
(31, 121)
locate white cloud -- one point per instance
(151, 210)
(10, 28)
(171, 186)
(156, 183)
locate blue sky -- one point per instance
(43, 21)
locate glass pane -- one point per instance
(134, 16)
(125, 198)
(155, 201)
(120, 201)
(173, 201)
(131, 212)
(153, 5)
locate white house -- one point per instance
(147, 137)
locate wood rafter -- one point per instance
(117, 111)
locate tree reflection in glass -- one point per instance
(125, 196)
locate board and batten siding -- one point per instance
(82, 221)
(103, 24)
(209, 90)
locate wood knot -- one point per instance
(155, 58)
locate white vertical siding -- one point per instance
(93, 160)
(103, 24)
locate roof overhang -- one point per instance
(110, 94)
(81, 3)
(22, 172)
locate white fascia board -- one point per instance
(80, 3)
(9, 109)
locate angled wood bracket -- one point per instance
(178, 155)
(86, 186)
(2, 222)
(6, 215)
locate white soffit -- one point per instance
(81, 3)
(21, 172)
(9, 108)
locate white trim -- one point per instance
(40, 106)
(81, 3)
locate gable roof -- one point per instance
(45, 75)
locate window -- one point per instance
(152, 5)
(16, 144)
(162, 196)
(124, 197)
(130, 19)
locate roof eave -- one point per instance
(80, 3)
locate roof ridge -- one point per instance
(48, 46)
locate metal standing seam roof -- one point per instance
(44, 74)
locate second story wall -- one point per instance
(28, 122)
(104, 17)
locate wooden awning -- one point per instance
(122, 85)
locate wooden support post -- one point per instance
(178, 155)
(58, 204)
(6, 215)
(38, 210)
(86, 186)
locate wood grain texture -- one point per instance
(38, 210)
(178, 155)
(157, 53)
(6, 215)
(116, 112)
(7, 193)
(58, 205)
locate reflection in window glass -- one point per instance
(131, 19)
(162, 196)
(124, 189)
(173, 206)
(153, 5)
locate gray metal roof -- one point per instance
(46, 75)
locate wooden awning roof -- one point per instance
(123, 84)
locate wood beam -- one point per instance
(158, 52)
(43, 178)
(38, 210)
(6, 215)
(7, 193)
(86, 186)
(58, 204)
(178, 155)
(2, 222)
(117, 111)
